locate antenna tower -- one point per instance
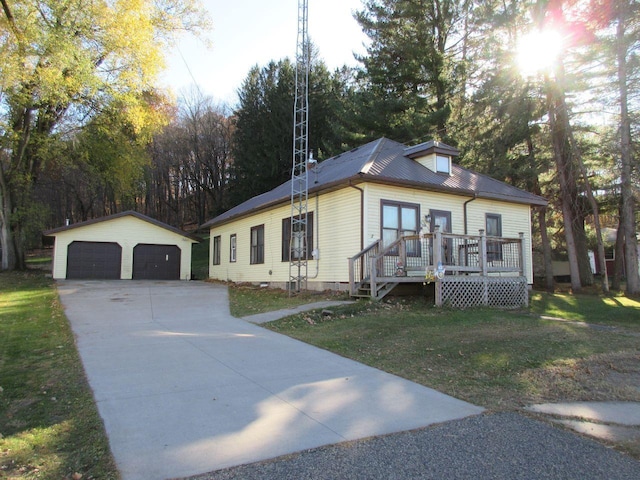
(298, 251)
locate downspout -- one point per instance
(475, 195)
(361, 215)
(317, 242)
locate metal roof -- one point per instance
(140, 216)
(389, 162)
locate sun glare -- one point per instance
(538, 50)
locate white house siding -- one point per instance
(127, 232)
(336, 217)
(516, 218)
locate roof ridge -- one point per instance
(373, 156)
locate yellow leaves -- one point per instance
(79, 51)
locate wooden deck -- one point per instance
(438, 257)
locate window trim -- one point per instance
(217, 246)
(233, 248)
(286, 238)
(256, 253)
(415, 252)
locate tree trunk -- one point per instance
(546, 249)
(560, 146)
(596, 216)
(8, 257)
(628, 206)
(618, 268)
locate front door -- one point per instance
(442, 219)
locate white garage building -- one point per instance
(126, 246)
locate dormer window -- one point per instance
(443, 164)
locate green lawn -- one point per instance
(499, 359)
(250, 299)
(49, 425)
(50, 429)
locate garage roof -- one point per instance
(132, 213)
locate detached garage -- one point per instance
(126, 246)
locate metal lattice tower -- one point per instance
(299, 177)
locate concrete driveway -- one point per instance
(185, 388)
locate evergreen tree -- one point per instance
(263, 141)
(412, 68)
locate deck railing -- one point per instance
(448, 253)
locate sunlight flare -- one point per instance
(538, 51)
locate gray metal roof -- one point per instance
(389, 162)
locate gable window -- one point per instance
(443, 164)
(400, 220)
(232, 247)
(494, 229)
(291, 247)
(257, 245)
(216, 249)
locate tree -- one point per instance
(186, 182)
(413, 66)
(62, 62)
(263, 142)
(626, 36)
(262, 147)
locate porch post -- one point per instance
(482, 256)
(521, 252)
(482, 253)
(437, 258)
(437, 246)
(373, 273)
(352, 283)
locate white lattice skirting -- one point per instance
(474, 291)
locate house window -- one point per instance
(400, 220)
(494, 229)
(216, 249)
(443, 164)
(291, 247)
(232, 248)
(257, 245)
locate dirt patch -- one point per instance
(604, 377)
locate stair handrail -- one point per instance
(359, 266)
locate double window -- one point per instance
(297, 246)
(400, 220)
(257, 245)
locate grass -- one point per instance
(612, 310)
(502, 360)
(49, 424)
(250, 299)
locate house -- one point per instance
(375, 193)
(126, 245)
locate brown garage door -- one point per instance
(156, 262)
(94, 260)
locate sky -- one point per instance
(250, 32)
